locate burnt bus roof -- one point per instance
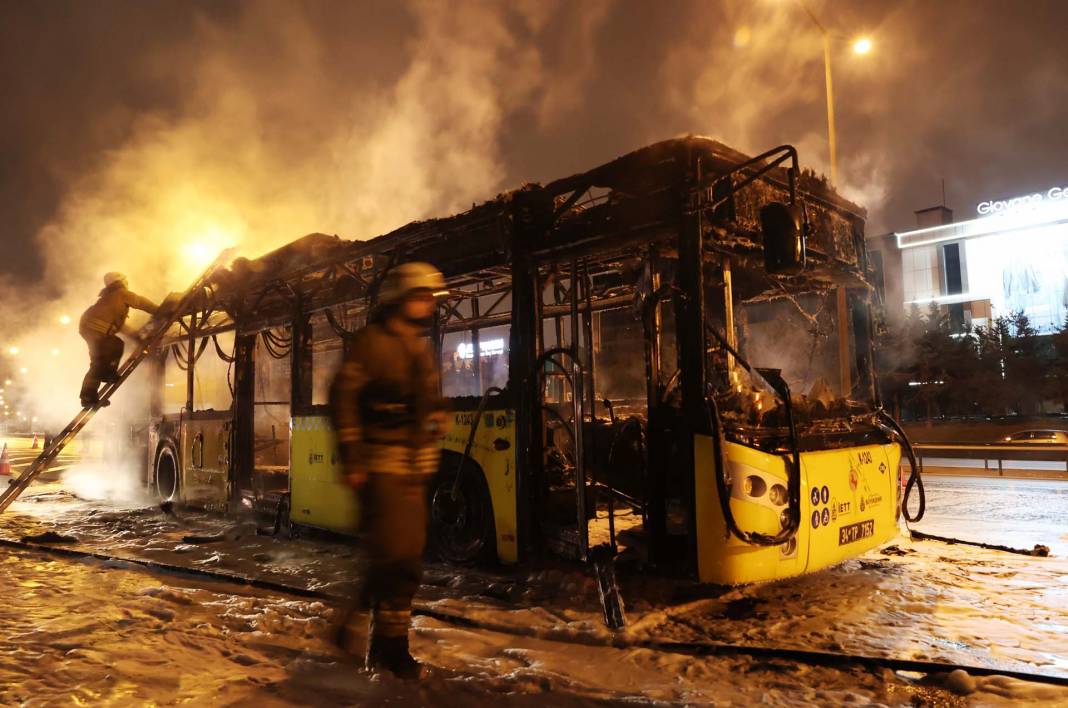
(631, 201)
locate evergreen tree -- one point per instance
(933, 351)
(990, 389)
(1058, 388)
(1025, 365)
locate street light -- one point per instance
(861, 45)
(64, 319)
(13, 351)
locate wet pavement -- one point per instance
(1010, 512)
(111, 633)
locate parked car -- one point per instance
(1040, 437)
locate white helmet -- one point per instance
(114, 277)
(408, 277)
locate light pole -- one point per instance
(862, 45)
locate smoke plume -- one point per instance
(145, 137)
(276, 134)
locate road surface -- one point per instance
(106, 633)
(1010, 512)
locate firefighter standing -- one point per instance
(99, 326)
(387, 412)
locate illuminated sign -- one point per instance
(1003, 206)
(491, 347)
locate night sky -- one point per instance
(126, 123)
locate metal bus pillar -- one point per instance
(242, 440)
(690, 314)
(300, 392)
(523, 382)
(578, 396)
(190, 364)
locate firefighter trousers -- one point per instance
(105, 353)
(394, 521)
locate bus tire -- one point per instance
(461, 530)
(167, 475)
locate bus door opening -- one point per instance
(271, 416)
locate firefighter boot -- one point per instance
(388, 648)
(351, 630)
(88, 394)
(391, 654)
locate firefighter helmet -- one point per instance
(114, 277)
(407, 278)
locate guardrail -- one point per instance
(988, 452)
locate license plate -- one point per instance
(856, 532)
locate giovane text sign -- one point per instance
(1001, 206)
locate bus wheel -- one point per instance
(167, 474)
(461, 526)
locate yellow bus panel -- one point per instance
(319, 495)
(494, 451)
(848, 506)
(205, 460)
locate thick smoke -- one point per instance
(277, 134)
(171, 130)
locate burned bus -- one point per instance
(671, 352)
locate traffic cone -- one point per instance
(35, 444)
(5, 462)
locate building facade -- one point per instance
(1013, 256)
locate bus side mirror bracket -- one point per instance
(783, 229)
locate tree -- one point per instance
(1058, 388)
(1025, 364)
(990, 389)
(935, 354)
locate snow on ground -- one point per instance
(106, 633)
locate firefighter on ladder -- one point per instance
(99, 327)
(388, 415)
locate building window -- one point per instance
(956, 317)
(951, 264)
(920, 271)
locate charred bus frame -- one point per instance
(658, 232)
